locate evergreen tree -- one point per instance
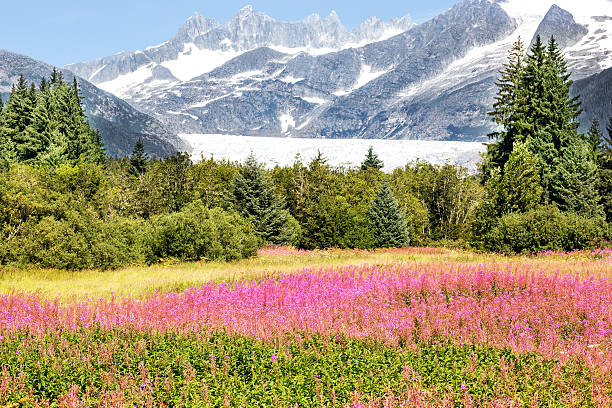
(509, 109)
(552, 114)
(139, 158)
(604, 161)
(388, 221)
(574, 183)
(18, 117)
(47, 125)
(256, 200)
(595, 138)
(371, 161)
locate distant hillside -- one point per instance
(596, 96)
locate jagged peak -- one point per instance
(333, 16)
(248, 9)
(371, 21)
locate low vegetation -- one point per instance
(439, 328)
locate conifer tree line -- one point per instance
(538, 162)
(64, 204)
(45, 124)
(538, 156)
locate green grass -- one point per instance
(142, 280)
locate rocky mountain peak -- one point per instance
(196, 25)
(560, 23)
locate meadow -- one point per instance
(425, 327)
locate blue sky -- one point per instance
(64, 31)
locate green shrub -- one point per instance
(197, 233)
(541, 229)
(79, 241)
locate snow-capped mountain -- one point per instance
(253, 75)
(202, 44)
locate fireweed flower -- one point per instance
(274, 358)
(464, 387)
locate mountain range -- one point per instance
(253, 75)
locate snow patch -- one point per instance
(289, 79)
(207, 101)
(314, 99)
(184, 113)
(286, 121)
(193, 61)
(365, 76)
(123, 83)
(97, 71)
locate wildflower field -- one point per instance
(419, 327)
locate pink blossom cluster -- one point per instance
(560, 316)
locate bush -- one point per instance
(541, 229)
(197, 233)
(79, 241)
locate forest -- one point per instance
(65, 204)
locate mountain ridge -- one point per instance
(434, 81)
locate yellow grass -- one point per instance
(140, 281)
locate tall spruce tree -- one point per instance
(509, 109)
(595, 138)
(605, 172)
(387, 220)
(139, 158)
(18, 114)
(534, 105)
(371, 161)
(255, 198)
(574, 183)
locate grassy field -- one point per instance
(141, 281)
(416, 327)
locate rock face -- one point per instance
(560, 24)
(119, 124)
(256, 76)
(596, 96)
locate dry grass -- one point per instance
(140, 281)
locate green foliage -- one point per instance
(541, 229)
(508, 110)
(387, 220)
(517, 190)
(197, 233)
(603, 158)
(217, 369)
(255, 198)
(538, 157)
(574, 181)
(47, 126)
(371, 161)
(520, 186)
(139, 158)
(449, 197)
(533, 106)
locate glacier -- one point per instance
(274, 151)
